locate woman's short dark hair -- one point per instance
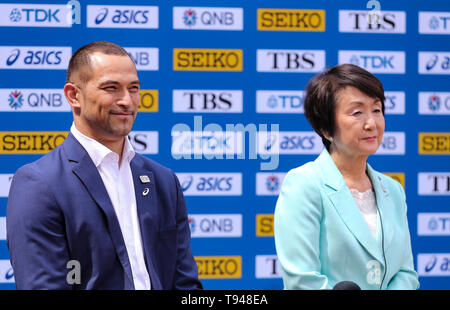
(322, 90)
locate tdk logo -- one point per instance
(34, 57)
(434, 62)
(434, 22)
(117, 16)
(34, 15)
(277, 101)
(375, 61)
(433, 224)
(359, 21)
(211, 184)
(205, 18)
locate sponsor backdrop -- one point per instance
(222, 105)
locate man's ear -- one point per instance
(71, 92)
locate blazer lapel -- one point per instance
(385, 206)
(344, 203)
(146, 201)
(85, 169)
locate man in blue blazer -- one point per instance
(93, 214)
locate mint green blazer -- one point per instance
(321, 236)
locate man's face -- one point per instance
(109, 99)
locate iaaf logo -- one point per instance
(433, 224)
(117, 16)
(208, 18)
(34, 57)
(211, 184)
(434, 62)
(36, 100)
(435, 103)
(215, 225)
(36, 15)
(434, 22)
(391, 62)
(433, 264)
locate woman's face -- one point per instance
(359, 123)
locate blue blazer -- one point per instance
(322, 238)
(59, 210)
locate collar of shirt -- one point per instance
(97, 151)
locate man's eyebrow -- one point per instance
(109, 82)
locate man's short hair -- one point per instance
(81, 57)
(322, 90)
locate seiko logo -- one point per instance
(207, 101)
(291, 20)
(34, 15)
(434, 62)
(149, 100)
(393, 144)
(267, 266)
(208, 18)
(290, 60)
(435, 103)
(26, 100)
(359, 21)
(375, 61)
(434, 183)
(433, 224)
(434, 22)
(215, 225)
(264, 225)
(26, 142)
(434, 143)
(211, 184)
(433, 264)
(219, 267)
(207, 59)
(34, 57)
(116, 16)
(273, 101)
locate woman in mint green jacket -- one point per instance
(337, 219)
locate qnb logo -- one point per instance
(189, 18)
(15, 100)
(435, 103)
(215, 225)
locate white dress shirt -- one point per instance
(118, 181)
(368, 205)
